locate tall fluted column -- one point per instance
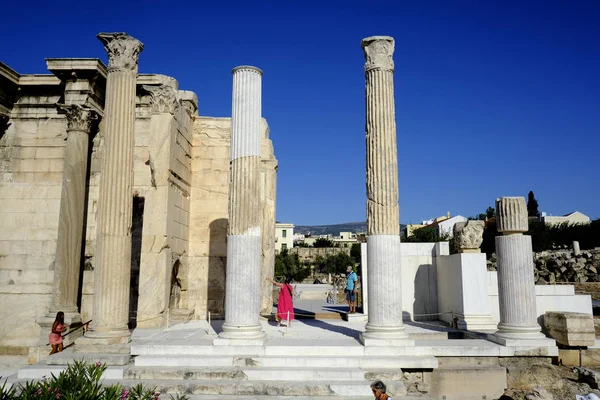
(242, 285)
(67, 264)
(385, 325)
(113, 244)
(516, 286)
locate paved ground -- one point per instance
(10, 365)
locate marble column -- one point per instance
(112, 269)
(516, 286)
(385, 325)
(242, 284)
(67, 264)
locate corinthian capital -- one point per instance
(79, 118)
(123, 51)
(162, 98)
(378, 53)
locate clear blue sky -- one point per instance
(492, 98)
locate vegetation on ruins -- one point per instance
(80, 381)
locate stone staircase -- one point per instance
(283, 371)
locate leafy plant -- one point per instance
(80, 381)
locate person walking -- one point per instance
(378, 388)
(58, 327)
(285, 303)
(351, 280)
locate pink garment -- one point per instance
(285, 303)
(56, 338)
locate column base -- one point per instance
(522, 342)
(380, 336)
(240, 336)
(511, 335)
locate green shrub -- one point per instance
(80, 381)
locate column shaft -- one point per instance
(70, 224)
(516, 287)
(242, 287)
(113, 249)
(67, 265)
(384, 281)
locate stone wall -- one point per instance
(562, 266)
(209, 214)
(180, 190)
(31, 163)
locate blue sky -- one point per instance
(492, 98)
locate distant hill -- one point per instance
(335, 229)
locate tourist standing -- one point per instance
(285, 304)
(351, 283)
(378, 388)
(58, 327)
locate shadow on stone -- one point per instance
(217, 259)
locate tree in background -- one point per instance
(426, 235)
(323, 242)
(355, 252)
(532, 205)
(489, 213)
(287, 264)
(334, 264)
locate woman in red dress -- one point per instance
(58, 327)
(285, 303)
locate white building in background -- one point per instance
(284, 236)
(573, 218)
(446, 227)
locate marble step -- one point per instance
(262, 374)
(42, 370)
(291, 348)
(250, 397)
(239, 388)
(414, 362)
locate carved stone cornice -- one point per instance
(123, 51)
(163, 98)
(378, 53)
(79, 118)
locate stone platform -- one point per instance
(314, 359)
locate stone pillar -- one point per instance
(269, 188)
(516, 287)
(113, 245)
(67, 264)
(385, 325)
(364, 278)
(576, 249)
(242, 284)
(156, 261)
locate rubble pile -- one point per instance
(562, 266)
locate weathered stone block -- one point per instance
(511, 215)
(468, 236)
(570, 328)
